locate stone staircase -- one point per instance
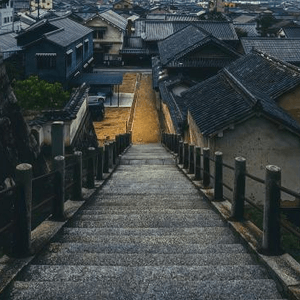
(148, 234)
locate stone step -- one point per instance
(156, 289)
(203, 239)
(148, 188)
(171, 215)
(145, 248)
(143, 259)
(92, 211)
(132, 204)
(143, 221)
(98, 214)
(195, 197)
(163, 231)
(139, 274)
(147, 161)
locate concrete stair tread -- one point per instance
(132, 205)
(166, 289)
(143, 259)
(146, 273)
(70, 246)
(222, 230)
(89, 211)
(149, 223)
(202, 239)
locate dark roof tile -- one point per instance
(249, 85)
(284, 49)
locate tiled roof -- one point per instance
(249, 28)
(174, 48)
(284, 49)
(172, 17)
(292, 32)
(151, 30)
(177, 114)
(99, 79)
(265, 74)
(67, 33)
(156, 68)
(84, 16)
(239, 91)
(178, 43)
(8, 42)
(244, 19)
(115, 19)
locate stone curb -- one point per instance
(284, 269)
(41, 235)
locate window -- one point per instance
(86, 46)
(69, 57)
(79, 52)
(99, 33)
(46, 61)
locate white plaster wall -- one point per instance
(112, 34)
(262, 143)
(168, 119)
(76, 122)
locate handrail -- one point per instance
(273, 193)
(255, 178)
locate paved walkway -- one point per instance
(147, 234)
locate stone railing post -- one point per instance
(100, 164)
(271, 223)
(58, 212)
(173, 143)
(178, 138)
(57, 139)
(22, 229)
(218, 186)
(110, 159)
(90, 180)
(77, 177)
(191, 159)
(117, 144)
(237, 209)
(114, 149)
(180, 152)
(198, 163)
(185, 155)
(106, 159)
(206, 167)
(122, 143)
(130, 137)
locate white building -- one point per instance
(6, 16)
(43, 4)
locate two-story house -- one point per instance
(56, 49)
(108, 35)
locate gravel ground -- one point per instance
(146, 127)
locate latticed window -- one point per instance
(46, 60)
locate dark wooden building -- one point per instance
(56, 49)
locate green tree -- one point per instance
(36, 94)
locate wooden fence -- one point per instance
(29, 197)
(197, 161)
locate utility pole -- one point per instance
(38, 10)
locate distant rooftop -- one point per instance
(284, 49)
